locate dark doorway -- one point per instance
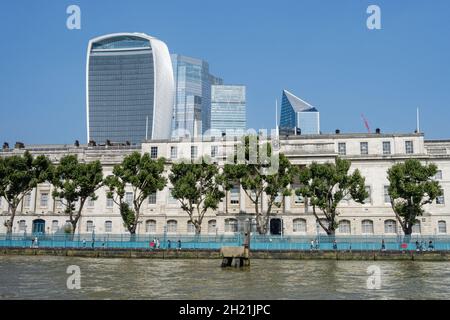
(275, 226)
(39, 226)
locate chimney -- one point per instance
(5, 146)
(19, 145)
(77, 143)
(377, 130)
(338, 131)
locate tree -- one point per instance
(258, 176)
(74, 183)
(18, 176)
(197, 187)
(411, 187)
(326, 185)
(144, 176)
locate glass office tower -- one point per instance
(192, 93)
(228, 110)
(129, 88)
(298, 115)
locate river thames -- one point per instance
(42, 277)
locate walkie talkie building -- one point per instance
(129, 88)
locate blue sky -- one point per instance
(321, 51)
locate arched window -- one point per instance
(190, 227)
(442, 227)
(319, 227)
(212, 226)
(108, 226)
(345, 227)
(299, 225)
(89, 226)
(22, 226)
(55, 226)
(231, 225)
(172, 226)
(150, 226)
(367, 227)
(416, 227)
(390, 226)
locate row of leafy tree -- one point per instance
(201, 186)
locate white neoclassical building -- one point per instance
(373, 154)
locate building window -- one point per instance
(344, 227)
(367, 227)
(193, 152)
(212, 226)
(109, 202)
(442, 227)
(173, 152)
(22, 226)
(154, 152)
(234, 195)
(231, 225)
(55, 226)
(89, 226)
(364, 148)
(171, 199)
(129, 198)
(152, 198)
(172, 226)
(299, 225)
(386, 147)
(416, 228)
(150, 226)
(438, 175)
(214, 151)
(190, 227)
(44, 200)
(108, 226)
(26, 200)
(368, 200)
(58, 203)
(409, 147)
(440, 199)
(90, 202)
(342, 148)
(390, 226)
(387, 197)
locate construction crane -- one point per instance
(366, 123)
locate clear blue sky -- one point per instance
(321, 51)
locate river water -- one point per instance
(45, 277)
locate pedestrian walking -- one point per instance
(169, 244)
(334, 245)
(430, 246)
(157, 244)
(36, 244)
(312, 245)
(179, 244)
(383, 245)
(417, 246)
(84, 243)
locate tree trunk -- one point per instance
(10, 222)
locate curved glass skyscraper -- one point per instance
(129, 88)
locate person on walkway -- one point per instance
(312, 245)
(32, 243)
(417, 246)
(84, 243)
(430, 246)
(179, 244)
(334, 245)
(152, 244)
(157, 244)
(169, 244)
(383, 245)
(36, 244)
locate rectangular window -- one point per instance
(22, 226)
(152, 198)
(90, 202)
(214, 151)
(108, 226)
(89, 226)
(173, 152)
(387, 197)
(440, 200)
(26, 200)
(109, 202)
(55, 226)
(171, 199)
(193, 152)
(129, 198)
(364, 147)
(409, 147)
(342, 148)
(44, 200)
(154, 152)
(234, 195)
(368, 200)
(438, 175)
(386, 147)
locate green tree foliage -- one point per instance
(325, 185)
(18, 176)
(197, 186)
(260, 176)
(74, 183)
(411, 187)
(143, 176)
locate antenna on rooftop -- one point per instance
(276, 117)
(417, 121)
(366, 123)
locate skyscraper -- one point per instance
(228, 109)
(129, 88)
(192, 102)
(298, 114)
